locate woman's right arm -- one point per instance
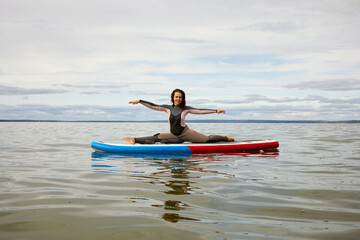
(162, 108)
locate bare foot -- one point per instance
(130, 140)
(230, 139)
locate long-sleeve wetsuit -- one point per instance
(179, 131)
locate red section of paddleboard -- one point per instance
(235, 147)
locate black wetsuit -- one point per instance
(179, 131)
(175, 116)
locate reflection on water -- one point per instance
(174, 217)
(178, 187)
(177, 182)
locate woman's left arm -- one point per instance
(203, 111)
(197, 111)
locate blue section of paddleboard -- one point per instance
(100, 156)
(141, 149)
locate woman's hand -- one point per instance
(220, 111)
(134, 102)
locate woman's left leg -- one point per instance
(218, 138)
(196, 137)
(193, 136)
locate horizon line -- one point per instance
(194, 121)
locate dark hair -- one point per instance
(183, 102)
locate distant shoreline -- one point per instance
(190, 121)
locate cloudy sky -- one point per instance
(258, 59)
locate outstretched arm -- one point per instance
(151, 105)
(204, 111)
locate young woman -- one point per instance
(179, 131)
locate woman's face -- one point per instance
(177, 99)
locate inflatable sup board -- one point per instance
(187, 148)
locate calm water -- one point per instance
(52, 186)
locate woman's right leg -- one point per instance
(159, 137)
(142, 140)
(193, 136)
(147, 140)
(169, 138)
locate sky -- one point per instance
(256, 59)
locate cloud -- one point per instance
(244, 59)
(260, 98)
(335, 101)
(255, 98)
(115, 92)
(65, 112)
(90, 92)
(98, 86)
(10, 90)
(277, 27)
(305, 111)
(146, 93)
(346, 84)
(180, 40)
